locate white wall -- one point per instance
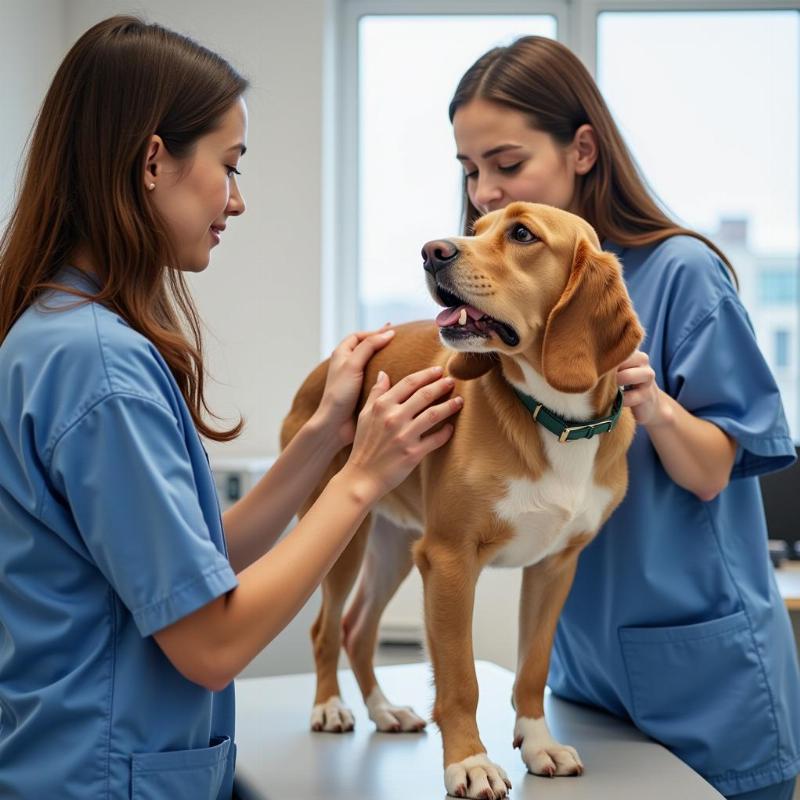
(260, 297)
(31, 35)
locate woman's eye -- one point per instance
(232, 171)
(511, 168)
(471, 175)
(520, 233)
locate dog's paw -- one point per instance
(542, 754)
(396, 719)
(332, 716)
(476, 777)
(392, 719)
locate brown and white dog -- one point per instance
(534, 309)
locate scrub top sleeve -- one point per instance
(718, 373)
(125, 472)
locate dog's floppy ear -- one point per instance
(593, 327)
(468, 366)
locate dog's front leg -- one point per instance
(545, 587)
(449, 579)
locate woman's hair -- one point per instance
(83, 185)
(548, 83)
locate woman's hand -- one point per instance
(695, 453)
(345, 380)
(642, 394)
(393, 436)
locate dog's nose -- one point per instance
(438, 254)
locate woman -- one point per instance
(125, 611)
(674, 618)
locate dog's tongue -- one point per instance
(450, 315)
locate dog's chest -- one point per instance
(547, 513)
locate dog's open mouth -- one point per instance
(461, 320)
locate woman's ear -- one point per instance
(584, 145)
(154, 162)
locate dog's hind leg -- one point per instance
(387, 562)
(545, 587)
(329, 713)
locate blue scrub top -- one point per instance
(109, 531)
(674, 619)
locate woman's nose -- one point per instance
(487, 193)
(236, 205)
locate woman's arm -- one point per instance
(254, 523)
(696, 454)
(213, 644)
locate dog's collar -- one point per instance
(569, 431)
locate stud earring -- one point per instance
(151, 186)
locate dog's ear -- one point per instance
(593, 327)
(468, 366)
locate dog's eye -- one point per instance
(519, 233)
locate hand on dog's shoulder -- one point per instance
(417, 345)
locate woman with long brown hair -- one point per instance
(674, 619)
(127, 605)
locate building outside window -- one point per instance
(782, 344)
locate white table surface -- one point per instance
(279, 758)
(788, 578)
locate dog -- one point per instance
(536, 320)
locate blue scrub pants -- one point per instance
(778, 791)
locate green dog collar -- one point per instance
(568, 431)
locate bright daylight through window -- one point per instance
(707, 101)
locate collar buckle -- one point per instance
(561, 429)
(589, 427)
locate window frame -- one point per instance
(577, 27)
(340, 304)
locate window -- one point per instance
(778, 286)
(708, 101)
(409, 179)
(711, 113)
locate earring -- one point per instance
(151, 186)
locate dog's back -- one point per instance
(416, 345)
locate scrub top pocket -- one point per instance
(178, 774)
(700, 690)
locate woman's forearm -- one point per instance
(212, 645)
(696, 454)
(254, 523)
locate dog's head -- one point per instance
(532, 283)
